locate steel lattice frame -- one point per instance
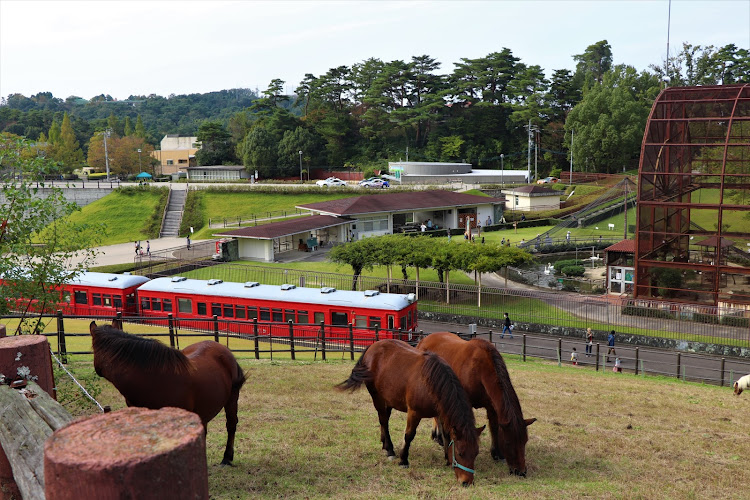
(693, 222)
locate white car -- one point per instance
(374, 182)
(331, 181)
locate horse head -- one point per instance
(514, 446)
(737, 389)
(463, 453)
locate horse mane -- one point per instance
(511, 404)
(453, 402)
(119, 349)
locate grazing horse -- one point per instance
(202, 378)
(484, 376)
(422, 385)
(741, 384)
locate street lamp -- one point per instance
(502, 168)
(106, 155)
(300, 166)
(140, 169)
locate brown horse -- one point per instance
(202, 378)
(484, 376)
(422, 385)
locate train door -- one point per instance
(339, 322)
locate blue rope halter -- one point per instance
(456, 464)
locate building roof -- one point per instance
(396, 202)
(624, 246)
(711, 242)
(217, 167)
(532, 190)
(286, 228)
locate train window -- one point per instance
(107, 300)
(156, 304)
(145, 303)
(215, 309)
(288, 315)
(118, 301)
(240, 312)
(185, 306)
(276, 314)
(390, 322)
(252, 313)
(318, 318)
(130, 300)
(302, 317)
(338, 318)
(80, 297)
(228, 311)
(402, 323)
(360, 321)
(96, 299)
(167, 305)
(374, 322)
(408, 320)
(202, 310)
(265, 314)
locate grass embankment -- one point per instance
(598, 435)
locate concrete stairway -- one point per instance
(176, 204)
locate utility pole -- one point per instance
(571, 155)
(502, 168)
(407, 153)
(625, 237)
(106, 155)
(528, 156)
(536, 154)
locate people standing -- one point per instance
(137, 247)
(148, 248)
(188, 242)
(507, 326)
(589, 341)
(574, 357)
(617, 368)
(611, 344)
(489, 221)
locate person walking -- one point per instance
(148, 248)
(188, 242)
(137, 247)
(589, 341)
(507, 326)
(611, 344)
(574, 356)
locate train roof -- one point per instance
(107, 280)
(371, 299)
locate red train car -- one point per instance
(102, 294)
(238, 304)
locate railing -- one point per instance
(255, 218)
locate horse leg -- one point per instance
(231, 412)
(437, 432)
(412, 421)
(496, 450)
(384, 415)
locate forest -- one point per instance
(491, 111)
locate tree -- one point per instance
(67, 150)
(258, 151)
(359, 254)
(595, 61)
(140, 130)
(128, 128)
(39, 248)
(216, 145)
(289, 147)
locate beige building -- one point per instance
(531, 198)
(177, 153)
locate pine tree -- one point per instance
(140, 130)
(54, 132)
(68, 151)
(128, 130)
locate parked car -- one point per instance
(374, 182)
(548, 180)
(331, 181)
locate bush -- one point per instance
(735, 321)
(571, 271)
(567, 262)
(646, 312)
(710, 319)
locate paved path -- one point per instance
(124, 253)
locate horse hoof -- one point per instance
(404, 465)
(391, 457)
(226, 463)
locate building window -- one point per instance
(170, 162)
(181, 160)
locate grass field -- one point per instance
(598, 435)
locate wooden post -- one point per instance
(255, 336)
(291, 339)
(636, 361)
(216, 328)
(559, 351)
(61, 348)
(351, 340)
(723, 360)
(678, 366)
(323, 340)
(490, 336)
(597, 356)
(524, 347)
(131, 453)
(171, 329)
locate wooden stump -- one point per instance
(131, 453)
(31, 352)
(2, 331)
(29, 417)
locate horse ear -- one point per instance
(92, 327)
(529, 421)
(480, 429)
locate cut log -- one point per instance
(131, 453)
(23, 431)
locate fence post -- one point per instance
(323, 340)
(559, 351)
(524, 347)
(722, 372)
(377, 333)
(490, 336)
(61, 348)
(597, 356)
(216, 328)
(171, 329)
(636, 361)
(291, 339)
(351, 340)
(678, 366)
(255, 336)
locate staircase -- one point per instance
(170, 226)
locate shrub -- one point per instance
(646, 312)
(735, 321)
(571, 271)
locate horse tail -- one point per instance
(360, 375)
(239, 379)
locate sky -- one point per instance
(139, 47)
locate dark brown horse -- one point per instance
(202, 378)
(484, 376)
(422, 385)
